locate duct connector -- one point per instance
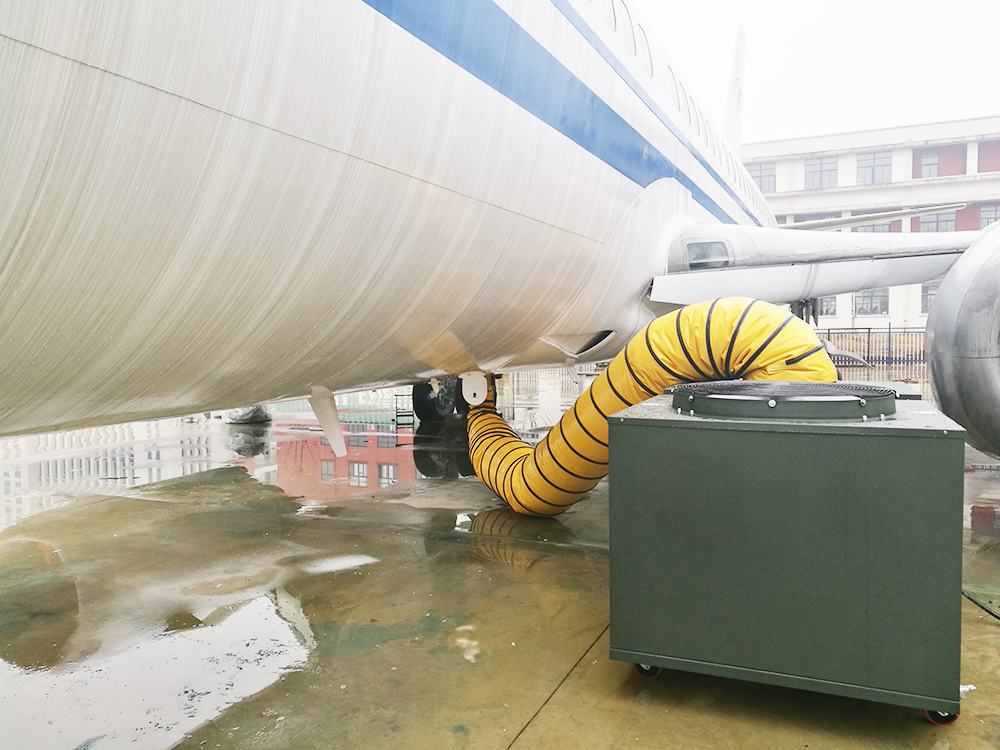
(730, 338)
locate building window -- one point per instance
(821, 173)
(386, 474)
(882, 227)
(988, 213)
(357, 435)
(357, 474)
(763, 175)
(875, 168)
(386, 435)
(927, 292)
(828, 305)
(938, 222)
(326, 471)
(989, 156)
(872, 302)
(929, 163)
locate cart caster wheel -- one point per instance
(940, 718)
(648, 671)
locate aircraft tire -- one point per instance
(433, 407)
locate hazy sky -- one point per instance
(831, 66)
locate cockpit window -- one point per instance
(703, 255)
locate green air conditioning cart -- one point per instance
(796, 534)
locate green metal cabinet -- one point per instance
(809, 553)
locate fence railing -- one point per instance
(894, 354)
(879, 346)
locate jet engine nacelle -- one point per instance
(963, 342)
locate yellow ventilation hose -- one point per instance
(725, 339)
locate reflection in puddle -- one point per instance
(500, 535)
(314, 607)
(344, 562)
(129, 621)
(385, 446)
(198, 674)
(163, 587)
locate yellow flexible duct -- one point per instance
(725, 339)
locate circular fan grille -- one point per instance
(785, 400)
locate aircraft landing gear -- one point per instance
(435, 407)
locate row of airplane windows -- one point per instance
(638, 45)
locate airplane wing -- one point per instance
(845, 222)
(780, 266)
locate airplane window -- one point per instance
(646, 57)
(695, 117)
(703, 255)
(684, 98)
(609, 13)
(627, 26)
(673, 81)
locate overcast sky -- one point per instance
(831, 66)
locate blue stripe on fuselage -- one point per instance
(478, 36)
(595, 41)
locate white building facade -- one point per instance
(849, 174)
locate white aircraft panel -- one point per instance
(781, 284)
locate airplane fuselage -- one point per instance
(212, 204)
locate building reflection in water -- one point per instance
(376, 458)
(102, 460)
(385, 445)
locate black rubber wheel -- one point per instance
(433, 407)
(648, 671)
(461, 405)
(435, 464)
(940, 718)
(464, 464)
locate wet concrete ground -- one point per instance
(264, 594)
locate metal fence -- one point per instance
(892, 353)
(884, 346)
